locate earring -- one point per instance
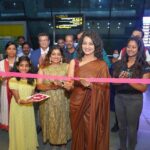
(61, 60)
(17, 59)
(50, 61)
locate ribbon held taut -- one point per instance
(100, 80)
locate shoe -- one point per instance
(115, 128)
(38, 129)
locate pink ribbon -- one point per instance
(100, 80)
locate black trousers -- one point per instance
(128, 110)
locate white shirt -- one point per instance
(119, 58)
(44, 52)
(147, 55)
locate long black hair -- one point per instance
(140, 61)
(17, 63)
(141, 57)
(9, 44)
(97, 41)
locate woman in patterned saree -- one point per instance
(54, 112)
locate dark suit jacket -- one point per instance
(35, 55)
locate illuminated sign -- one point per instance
(69, 21)
(146, 29)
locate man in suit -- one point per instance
(38, 55)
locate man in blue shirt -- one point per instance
(70, 51)
(20, 41)
(26, 50)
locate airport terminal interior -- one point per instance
(113, 20)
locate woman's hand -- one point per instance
(68, 85)
(58, 83)
(4, 78)
(124, 74)
(85, 83)
(47, 86)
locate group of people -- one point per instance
(132, 62)
(76, 110)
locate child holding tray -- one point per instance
(22, 129)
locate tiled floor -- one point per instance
(143, 133)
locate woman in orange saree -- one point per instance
(89, 102)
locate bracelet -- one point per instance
(89, 86)
(62, 84)
(129, 75)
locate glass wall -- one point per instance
(114, 20)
